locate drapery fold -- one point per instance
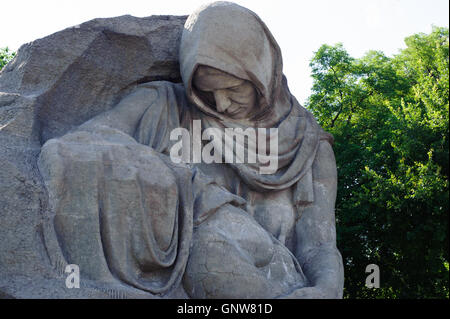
(233, 39)
(121, 212)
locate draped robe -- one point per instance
(124, 212)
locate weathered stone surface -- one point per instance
(53, 85)
(88, 176)
(81, 71)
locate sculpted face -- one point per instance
(227, 94)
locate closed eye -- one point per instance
(237, 88)
(236, 102)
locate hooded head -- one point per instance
(232, 39)
(233, 45)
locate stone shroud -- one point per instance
(40, 99)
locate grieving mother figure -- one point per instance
(133, 219)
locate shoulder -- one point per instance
(324, 165)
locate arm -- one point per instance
(316, 233)
(126, 114)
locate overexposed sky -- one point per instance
(299, 26)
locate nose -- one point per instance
(222, 101)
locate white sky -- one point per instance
(300, 27)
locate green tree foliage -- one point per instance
(389, 117)
(5, 56)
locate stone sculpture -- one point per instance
(140, 224)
